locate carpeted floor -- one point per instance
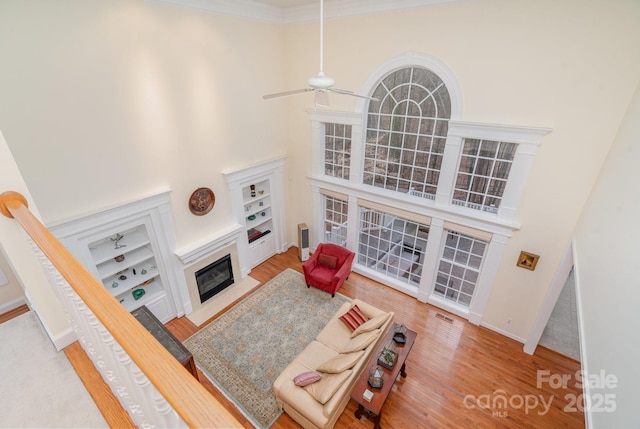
(40, 388)
(244, 350)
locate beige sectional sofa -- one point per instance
(340, 355)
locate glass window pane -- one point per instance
(456, 279)
(488, 149)
(337, 150)
(464, 299)
(392, 246)
(489, 164)
(415, 106)
(335, 220)
(507, 151)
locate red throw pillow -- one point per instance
(328, 261)
(354, 317)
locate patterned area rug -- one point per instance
(243, 351)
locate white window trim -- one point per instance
(528, 140)
(318, 119)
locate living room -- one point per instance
(107, 103)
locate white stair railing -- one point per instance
(151, 385)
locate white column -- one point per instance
(491, 262)
(431, 258)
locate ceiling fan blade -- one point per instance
(286, 93)
(345, 92)
(321, 97)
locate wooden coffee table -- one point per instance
(373, 408)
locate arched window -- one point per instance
(406, 132)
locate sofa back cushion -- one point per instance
(374, 323)
(324, 389)
(341, 362)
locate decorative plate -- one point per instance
(201, 201)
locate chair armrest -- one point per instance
(344, 270)
(311, 263)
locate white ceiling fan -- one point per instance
(320, 84)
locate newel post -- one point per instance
(11, 200)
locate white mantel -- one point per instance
(208, 245)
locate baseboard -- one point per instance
(503, 332)
(8, 306)
(67, 337)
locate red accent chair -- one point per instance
(328, 267)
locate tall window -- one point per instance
(482, 174)
(459, 268)
(337, 150)
(412, 166)
(406, 132)
(335, 220)
(392, 246)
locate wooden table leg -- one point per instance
(403, 373)
(376, 420)
(375, 417)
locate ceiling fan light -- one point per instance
(321, 98)
(320, 81)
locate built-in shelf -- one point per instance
(257, 194)
(127, 249)
(127, 266)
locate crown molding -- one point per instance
(258, 11)
(241, 8)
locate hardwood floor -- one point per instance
(13, 313)
(459, 375)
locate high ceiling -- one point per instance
(288, 3)
(286, 11)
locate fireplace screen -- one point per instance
(214, 278)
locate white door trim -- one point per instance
(550, 299)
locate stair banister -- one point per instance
(150, 383)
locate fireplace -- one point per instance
(214, 278)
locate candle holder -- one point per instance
(375, 377)
(399, 333)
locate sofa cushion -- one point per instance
(306, 378)
(371, 324)
(354, 317)
(324, 389)
(328, 261)
(360, 342)
(341, 362)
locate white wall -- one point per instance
(19, 254)
(606, 254)
(106, 101)
(11, 293)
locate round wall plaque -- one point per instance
(201, 201)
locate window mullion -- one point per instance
(448, 170)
